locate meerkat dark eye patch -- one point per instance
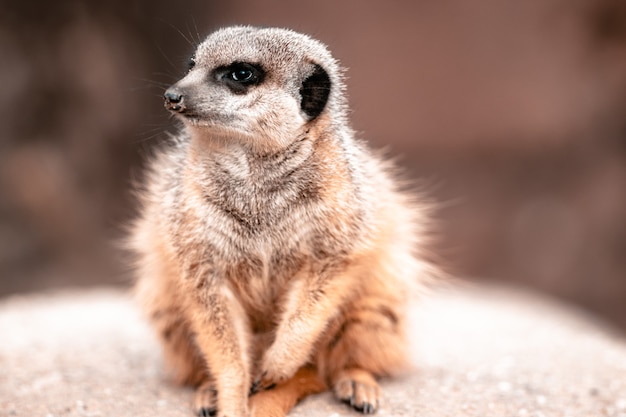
(314, 91)
(240, 76)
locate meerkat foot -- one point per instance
(205, 400)
(358, 388)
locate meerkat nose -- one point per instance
(174, 100)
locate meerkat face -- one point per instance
(261, 86)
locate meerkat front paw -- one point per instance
(261, 383)
(275, 368)
(267, 380)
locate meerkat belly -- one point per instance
(260, 280)
(262, 261)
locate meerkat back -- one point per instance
(275, 252)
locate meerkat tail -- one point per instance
(277, 401)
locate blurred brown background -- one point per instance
(514, 113)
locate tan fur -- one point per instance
(270, 240)
(279, 400)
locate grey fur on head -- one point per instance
(290, 81)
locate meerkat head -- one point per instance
(262, 86)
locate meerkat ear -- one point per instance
(314, 91)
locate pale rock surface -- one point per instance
(478, 351)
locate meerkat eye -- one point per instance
(244, 73)
(240, 76)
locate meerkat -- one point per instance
(275, 252)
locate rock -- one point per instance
(478, 351)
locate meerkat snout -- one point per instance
(174, 101)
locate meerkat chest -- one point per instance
(260, 283)
(259, 224)
(260, 206)
(261, 251)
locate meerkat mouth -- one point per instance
(216, 128)
(190, 117)
(198, 120)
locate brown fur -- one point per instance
(274, 252)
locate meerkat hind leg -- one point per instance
(182, 354)
(185, 360)
(368, 343)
